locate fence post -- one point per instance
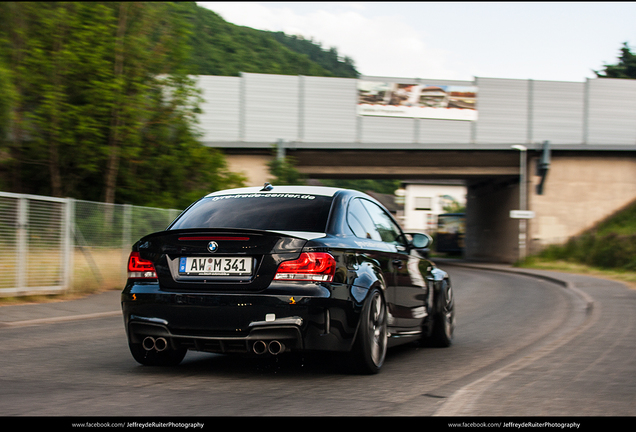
(126, 234)
(22, 238)
(69, 244)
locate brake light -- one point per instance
(214, 238)
(310, 266)
(139, 268)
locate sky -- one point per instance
(554, 41)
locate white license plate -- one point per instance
(216, 266)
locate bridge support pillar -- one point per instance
(491, 235)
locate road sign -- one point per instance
(521, 214)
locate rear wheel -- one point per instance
(152, 357)
(444, 318)
(370, 347)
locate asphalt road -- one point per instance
(524, 347)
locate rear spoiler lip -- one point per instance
(302, 235)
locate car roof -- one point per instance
(305, 190)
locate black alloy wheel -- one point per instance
(444, 318)
(370, 346)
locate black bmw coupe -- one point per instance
(263, 271)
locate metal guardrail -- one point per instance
(54, 245)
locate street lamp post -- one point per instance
(523, 151)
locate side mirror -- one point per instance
(421, 241)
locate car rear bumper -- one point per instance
(300, 317)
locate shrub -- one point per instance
(611, 250)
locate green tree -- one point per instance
(171, 168)
(625, 68)
(58, 53)
(454, 207)
(12, 49)
(327, 59)
(100, 103)
(283, 169)
(148, 43)
(6, 101)
(222, 48)
(66, 93)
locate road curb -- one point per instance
(589, 301)
(59, 319)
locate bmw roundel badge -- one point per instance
(213, 246)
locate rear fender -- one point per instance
(368, 276)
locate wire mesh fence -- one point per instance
(53, 245)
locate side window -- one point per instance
(360, 222)
(389, 231)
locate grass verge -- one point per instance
(625, 276)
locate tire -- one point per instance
(444, 318)
(369, 350)
(167, 357)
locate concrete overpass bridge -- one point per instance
(489, 133)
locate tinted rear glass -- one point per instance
(280, 212)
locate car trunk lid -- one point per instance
(218, 259)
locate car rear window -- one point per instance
(271, 211)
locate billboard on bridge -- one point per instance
(390, 99)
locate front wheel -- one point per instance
(370, 347)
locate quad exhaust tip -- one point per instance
(273, 347)
(260, 347)
(149, 343)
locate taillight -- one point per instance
(139, 268)
(310, 266)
